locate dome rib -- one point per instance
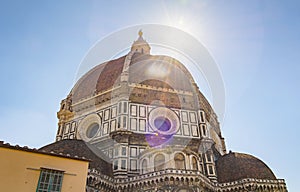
(101, 78)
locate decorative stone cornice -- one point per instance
(188, 178)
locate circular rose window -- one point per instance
(92, 130)
(164, 121)
(89, 128)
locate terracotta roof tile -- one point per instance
(236, 166)
(46, 152)
(80, 148)
(101, 78)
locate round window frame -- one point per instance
(85, 124)
(167, 114)
(91, 132)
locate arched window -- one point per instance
(194, 163)
(144, 166)
(179, 161)
(159, 162)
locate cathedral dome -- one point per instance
(154, 71)
(123, 92)
(236, 166)
(150, 78)
(151, 70)
(144, 124)
(142, 117)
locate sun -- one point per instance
(179, 18)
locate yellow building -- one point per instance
(28, 170)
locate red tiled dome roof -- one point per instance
(159, 67)
(236, 166)
(100, 78)
(144, 69)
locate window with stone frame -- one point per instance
(116, 166)
(123, 164)
(194, 163)
(144, 166)
(50, 180)
(124, 151)
(179, 161)
(210, 170)
(159, 162)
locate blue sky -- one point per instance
(255, 43)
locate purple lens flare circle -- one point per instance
(162, 123)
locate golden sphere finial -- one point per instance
(140, 33)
